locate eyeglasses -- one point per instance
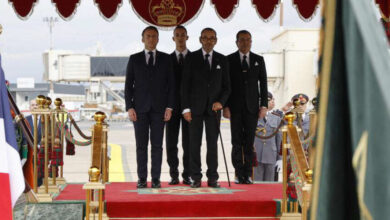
(208, 38)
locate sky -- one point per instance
(23, 41)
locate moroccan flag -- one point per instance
(11, 173)
(352, 171)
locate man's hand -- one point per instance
(168, 114)
(262, 112)
(217, 106)
(132, 114)
(279, 166)
(287, 106)
(187, 116)
(226, 112)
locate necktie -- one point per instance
(181, 59)
(245, 66)
(207, 61)
(150, 61)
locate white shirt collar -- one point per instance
(242, 56)
(210, 53)
(147, 51)
(184, 52)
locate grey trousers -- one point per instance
(264, 172)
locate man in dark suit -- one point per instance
(205, 89)
(149, 95)
(249, 83)
(173, 126)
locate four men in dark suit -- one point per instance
(173, 126)
(149, 95)
(205, 89)
(192, 89)
(249, 84)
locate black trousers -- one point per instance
(172, 137)
(153, 123)
(243, 126)
(212, 123)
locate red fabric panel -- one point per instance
(166, 13)
(265, 8)
(224, 8)
(384, 6)
(66, 7)
(108, 8)
(306, 8)
(23, 7)
(5, 198)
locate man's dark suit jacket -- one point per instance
(247, 85)
(178, 72)
(202, 87)
(30, 120)
(146, 89)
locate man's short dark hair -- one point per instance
(208, 29)
(242, 32)
(149, 28)
(180, 27)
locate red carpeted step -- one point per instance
(124, 200)
(216, 218)
(257, 200)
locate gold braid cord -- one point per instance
(269, 136)
(97, 145)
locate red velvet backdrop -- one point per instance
(225, 8)
(66, 8)
(384, 6)
(23, 8)
(265, 8)
(167, 13)
(108, 8)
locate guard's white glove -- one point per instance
(279, 165)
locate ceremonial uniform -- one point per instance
(267, 150)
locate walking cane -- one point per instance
(223, 149)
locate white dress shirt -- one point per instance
(210, 57)
(242, 57)
(178, 54)
(147, 55)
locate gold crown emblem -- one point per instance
(167, 12)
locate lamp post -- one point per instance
(50, 21)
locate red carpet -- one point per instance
(125, 201)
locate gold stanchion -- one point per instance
(58, 117)
(35, 158)
(97, 177)
(42, 111)
(285, 178)
(287, 207)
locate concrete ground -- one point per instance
(123, 166)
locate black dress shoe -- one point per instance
(213, 184)
(196, 184)
(174, 181)
(186, 181)
(156, 183)
(248, 180)
(141, 184)
(239, 180)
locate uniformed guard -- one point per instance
(304, 121)
(267, 150)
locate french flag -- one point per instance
(11, 173)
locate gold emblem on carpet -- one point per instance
(185, 190)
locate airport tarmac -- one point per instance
(123, 166)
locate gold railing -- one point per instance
(53, 127)
(98, 172)
(302, 173)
